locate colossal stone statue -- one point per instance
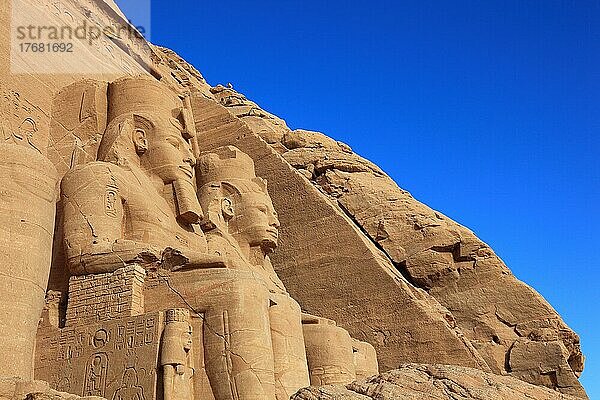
(137, 202)
(27, 213)
(242, 224)
(136, 227)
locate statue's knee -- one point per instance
(329, 353)
(365, 359)
(284, 303)
(244, 291)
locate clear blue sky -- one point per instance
(488, 111)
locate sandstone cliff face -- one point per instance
(332, 268)
(499, 315)
(433, 382)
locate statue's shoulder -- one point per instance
(221, 245)
(95, 167)
(97, 172)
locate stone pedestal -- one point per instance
(114, 359)
(103, 297)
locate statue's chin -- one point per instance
(268, 245)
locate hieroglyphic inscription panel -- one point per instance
(116, 359)
(102, 297)
(22, 122)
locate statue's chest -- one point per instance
(151, 219)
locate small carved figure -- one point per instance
(95, 379)
(129, 390)
(175, 358)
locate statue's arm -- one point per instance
(93, 219)
(93, 200)
(168, 377)
(177, 260)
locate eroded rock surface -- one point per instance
(18, 389)
(340, 268)
(493, 309)
(433, 382)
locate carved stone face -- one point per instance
(167, 154)
(255, 220)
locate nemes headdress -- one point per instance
(140, 97)
(222, 172)
(177, 315)
(225, 163)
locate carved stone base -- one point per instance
(16, 389)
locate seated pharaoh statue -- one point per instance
(137, 202)
(208, 249)
(137, 205)
(241, 225)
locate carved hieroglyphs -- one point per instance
(115, 360)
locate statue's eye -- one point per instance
(173, 142)
(263, 209)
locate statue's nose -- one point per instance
(188, 156)
(190, 159)
(274, 221)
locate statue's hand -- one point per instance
(180, 369)
(176, 260)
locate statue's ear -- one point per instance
(138, 136)
(227, 208)
(216, 209)
(140, 141)
(137, 127)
